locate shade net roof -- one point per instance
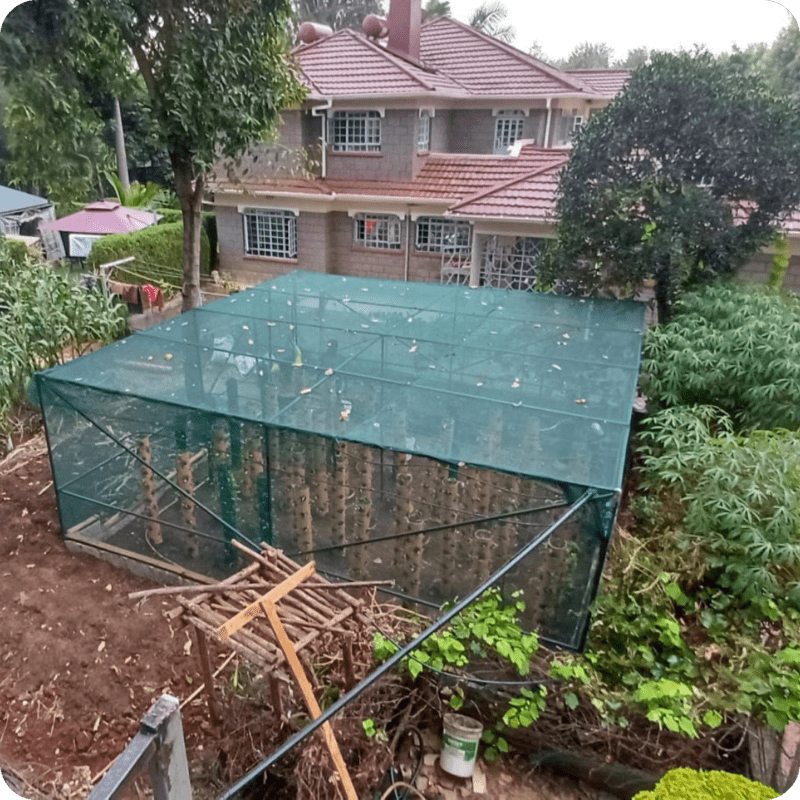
(414, 367)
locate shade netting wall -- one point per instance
(410, 431)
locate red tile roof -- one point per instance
(348, 63)
(531, 196)
(449, 177)
(458, 61)
(607, 82)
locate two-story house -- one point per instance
(422, 152)
(426, 152)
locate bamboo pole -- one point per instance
(402, 512)
(338, 492)
(153, 532)
(185, 479)
(357, 556)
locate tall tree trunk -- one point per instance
(664, 293)
(119, 143)
(190, 194)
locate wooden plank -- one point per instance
(272, 596)
(308, 694)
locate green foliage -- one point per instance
(487, 629)
(55, 67)
(158, 251)
(651, 184)
(737, 348)
(780, 262)
(42, 313)
(589, 55)
(137, 195)
(336, 14)
(682, 783)
(740, 497)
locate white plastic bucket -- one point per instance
(460, 745)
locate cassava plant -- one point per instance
(735, 347)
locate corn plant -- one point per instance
(44, 318)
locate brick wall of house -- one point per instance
(472, 130)
(324, 244)
(441, 124)
(395, 160)
(313, 248)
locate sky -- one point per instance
(626, 24)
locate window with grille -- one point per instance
(443, 235)
(382, 232)
(270, 233)
(424, 132)
(507, 129)
(355, 131)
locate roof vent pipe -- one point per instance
(313, 31)
(405, 21)
(375, 27)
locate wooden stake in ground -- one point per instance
(357, 556)
(153, 532)
(267, 605)
(338, 492)
(185, 478)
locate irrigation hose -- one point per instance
(402, 785)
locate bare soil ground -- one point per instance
(80, 663)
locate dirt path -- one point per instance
(79, 664)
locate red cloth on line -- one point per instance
(154, 295)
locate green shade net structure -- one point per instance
(416, 431)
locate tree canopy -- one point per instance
(217, 75)
(686, 174)
(336, 14)
(491, 17)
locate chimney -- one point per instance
(405, 20)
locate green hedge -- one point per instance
(687, 784)
(209, 221)
(158, 251)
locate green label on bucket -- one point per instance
(468, 750)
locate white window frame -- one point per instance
(378, 231)
(270, 232)
(508, 128)
(424, 132)
(441, 235)
(355, 131)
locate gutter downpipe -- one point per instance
(547, 124)
(322, 112)
(408, 243)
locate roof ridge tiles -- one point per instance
(505, 184)
(512, 51)
(398, 63)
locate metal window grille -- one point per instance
(382, 232)
(507, 130)
(424, 132)
(443, 235)
(270, 233)
(355, 131)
